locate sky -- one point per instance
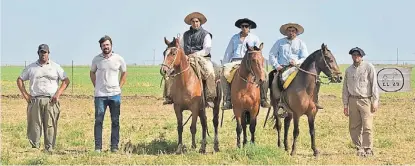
(72, 28)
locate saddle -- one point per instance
(284, 77)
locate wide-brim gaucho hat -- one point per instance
(200, 16)
(357, 49)
(299, 28)
(239, 22)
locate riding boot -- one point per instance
(226, 87)
(166, 92)
(210, 90)
(263, 94)
(315, 98)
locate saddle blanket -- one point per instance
(288, 76)
(229, 70)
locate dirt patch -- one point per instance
(17, 96)
(328, 96)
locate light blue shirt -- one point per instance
(237, 49)
(284, 50)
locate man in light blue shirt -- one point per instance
(289, 51)
(233, 55)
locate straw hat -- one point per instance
(200, 16)
(299, 28)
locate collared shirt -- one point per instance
(207, 45)
(237, 48)
(360, 81)
(44, 79)
(106, 72)
(284, 50)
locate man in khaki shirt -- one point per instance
(361, 100)
(43, 106)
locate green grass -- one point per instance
(151, 128)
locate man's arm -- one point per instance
(207, 45)
(273, 56)
(123, 69)
(228, 52)
(303, 53)
(20, 85)
(375, 90)
(92, 74)
(345, 92)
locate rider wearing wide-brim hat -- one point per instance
(197, 43)
(234, 53)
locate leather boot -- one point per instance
(226, 87)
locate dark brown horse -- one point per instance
(245, 92)
(298, 97)
(187, 94)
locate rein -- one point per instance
(170, 66)
(248, 65)
(314, 74)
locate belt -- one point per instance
(41, 96)
(360, 97)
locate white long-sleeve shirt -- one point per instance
(237, 49)
(285, 50)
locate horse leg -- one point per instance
(295, 134)
(312, 134)
(278, 123)
(195, 113)
(179, 116)
(244, 118)
(216, 124)
(287, 121)
(203, 121)
(238, 131)
(252, 125)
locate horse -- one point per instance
(187, 94)
(298, 96)
(245, 92)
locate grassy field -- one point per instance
(151, 127)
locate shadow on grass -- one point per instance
(155, 147)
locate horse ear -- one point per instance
(261, 46)
(166, 41)
(324, 48)
(177, 42)
(249, 48)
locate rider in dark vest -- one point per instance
(197, 44)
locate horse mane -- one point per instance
(310, 59)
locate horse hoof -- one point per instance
(293, 153)
(180, 149)
(193, 146)
(316, 153)
(216, 147)
(202, 151)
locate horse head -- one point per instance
(254, 62)
(327, 63)
(171, 56)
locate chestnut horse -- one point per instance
(298, 97)
(245, 92)
(187, 94)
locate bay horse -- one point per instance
(245, 92)
(298, 97)
(187, 94)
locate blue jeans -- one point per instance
(101, 103)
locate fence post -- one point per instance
(72, 78)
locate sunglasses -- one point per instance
(245, 26)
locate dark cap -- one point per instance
(357, 49)
(245, 20)
(43, 47)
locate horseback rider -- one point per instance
(197, 43)
(287, 52)
(233, 55)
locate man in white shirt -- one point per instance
(104, 76)
(197, 43)
(289, 51)
(43, 101)
(234, 54)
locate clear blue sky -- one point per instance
(72, 28)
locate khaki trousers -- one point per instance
(42, 116)
(361, 122)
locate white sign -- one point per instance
(394, 79)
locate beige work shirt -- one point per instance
(44, 79)
(360, 81)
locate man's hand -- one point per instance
(54, 99)
(27, 97)
(346, 111)
(279, 68)
(374, 107)
(292, 62)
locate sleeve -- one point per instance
(345, 92)
(373, 82)
(273, 55)
(228, 52)
(25, 74)
(123, 66)
(94, 65)
(303, 53)
(61, 73)
(181, 41)
(207, 45)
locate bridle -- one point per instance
(318, 76)
(249, 69)
(170, 66)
